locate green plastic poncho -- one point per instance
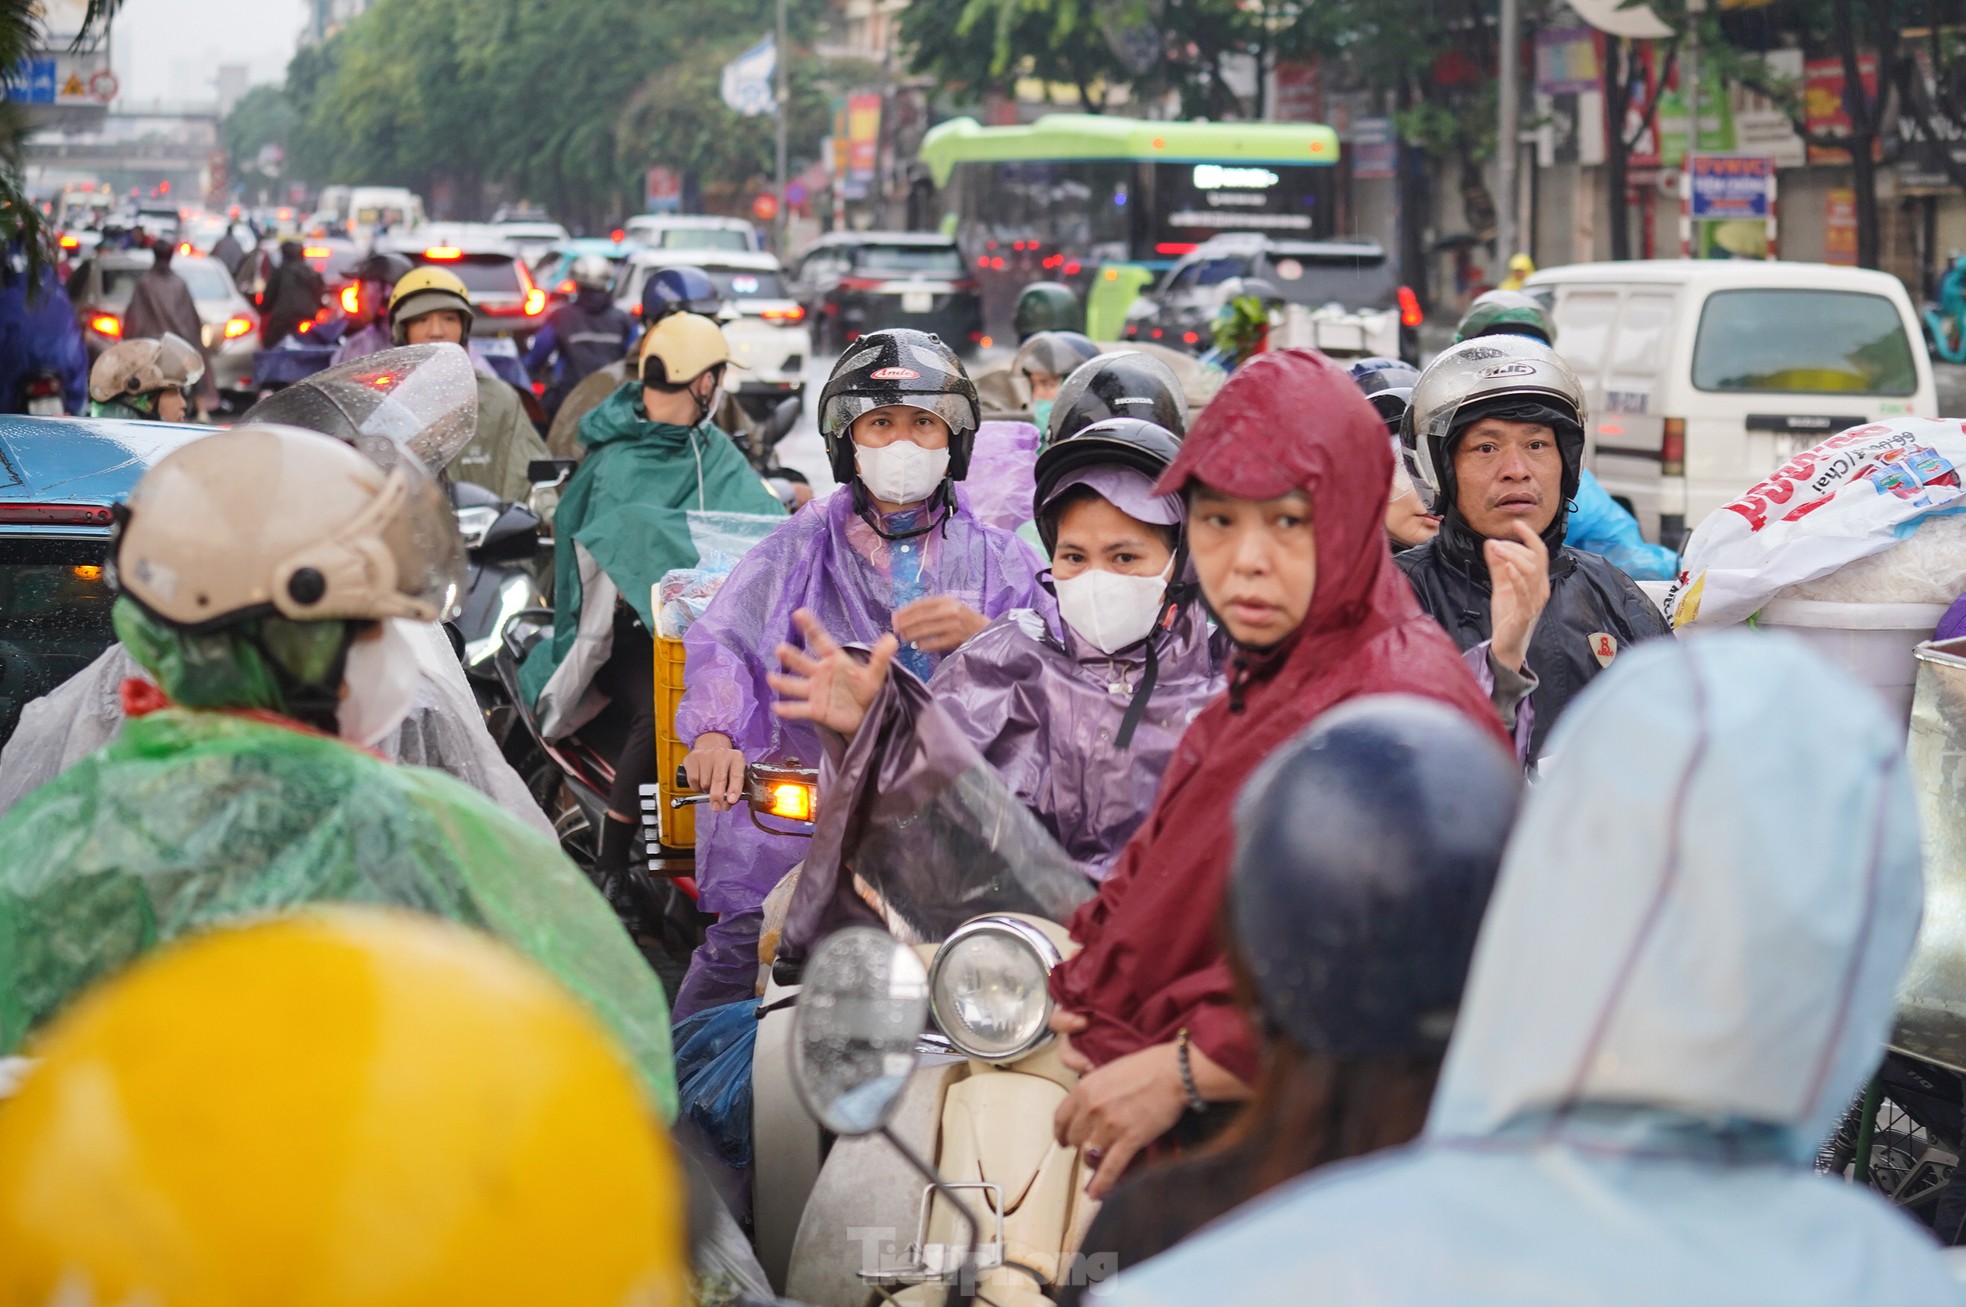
(189, 818)
(623, 522)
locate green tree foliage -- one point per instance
(565, 104)
(262, 116)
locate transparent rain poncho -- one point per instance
(189, 818)
(830, 560)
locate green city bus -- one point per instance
(1105, 203)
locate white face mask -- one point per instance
(1110, 610)
(380, 677)
(901, 473)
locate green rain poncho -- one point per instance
(192, 817)
(621, 524)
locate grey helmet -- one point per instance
(1465, 382)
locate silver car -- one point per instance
(101, 289)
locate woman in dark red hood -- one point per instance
(1286, 475)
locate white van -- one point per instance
(390, 207)
(1704, 376)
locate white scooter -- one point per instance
(998, 1214)
(976, 1095)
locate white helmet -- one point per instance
(134, 368)
(591, 272)
(1483, 371)
(264, 519)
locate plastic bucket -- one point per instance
(1873, 642)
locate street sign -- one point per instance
(795, 193)
(103, 85)
(663, 190)
(1730, 186)
(765, 207)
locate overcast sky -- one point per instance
(170, 49)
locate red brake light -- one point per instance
(535, 302)
(997, 263)
(309, 251)
(860, 283)
(184, 247)
(1176, 248)
(1072, 268)
(106, 324)
(54, 515)
(351, 299)
(237, 326)
(567, 287)
(1190, 338)
(443, 254)
(617, 235)
(796, 313)
(1409, 308)
(304, 327)
(71, 242)
(1672, 448)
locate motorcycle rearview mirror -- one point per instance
(863, 1004)
(783, 418)
(549, 471)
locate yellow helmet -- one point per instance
(340, 1107)
(681, 348)
(427, 290)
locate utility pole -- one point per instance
(1507, 129)
(780, 218)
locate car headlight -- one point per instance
(987, 988)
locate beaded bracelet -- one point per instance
(1195, 1100)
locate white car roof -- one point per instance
(1771, 273)
(657, 221)
(743, 260)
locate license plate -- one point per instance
(49, 407)
(917, 301)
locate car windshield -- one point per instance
(54, 617)
(119, 283)
(485, 274)
(701, 238)
(746, 283)
(1363, 281)
(937, 260)
(1208, 272)
(1815, 342)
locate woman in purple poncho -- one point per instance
(891, 549)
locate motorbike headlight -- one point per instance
(987, 988)
(475, 523)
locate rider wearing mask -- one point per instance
(667, 291)
(1495, 440)
(581, 338)
(431, 306)
(653, 457)
(1081, 716)
(267, 579)
(337, 1108)
(368, 320)
(1040, 367)
(1598, 524)
(891, 549)
(1648, 1056)
(1285, 525)
(1365, 852)
(146, 380)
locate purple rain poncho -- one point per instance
(1044, 712)
(830, 560)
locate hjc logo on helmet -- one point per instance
(895, 374)
(1509, 370)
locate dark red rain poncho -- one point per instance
(1153, 960)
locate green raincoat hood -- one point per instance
(626, 512)
(191, 818)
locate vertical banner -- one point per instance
(1824, 112)
(863, 139)
(1375, 149)
(1840, 227)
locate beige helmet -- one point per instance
(681, 348)
(427, 290)
(265, 519)
(143, 367)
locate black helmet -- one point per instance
(1388, 383)
(1115, 442)
(1126, 384)
(898, 365)
(1047, 306)
(1365, 852)
(386, 267)
(679, 290)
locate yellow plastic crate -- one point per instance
(678, 824)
